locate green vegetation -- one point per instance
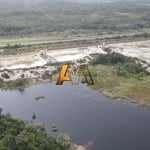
(119, 76)
(72, 18)
(46, 24)
(124, 66)
(111, 59)
(46, 75)
(13, 83)
(16, 135)
(21, 83)
(48, 43)
(5, 75)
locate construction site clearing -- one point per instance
(25, 65)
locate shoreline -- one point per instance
(108, 84)
(37, 81)
(30, 82)
(132, 89)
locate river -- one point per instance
(86, 115)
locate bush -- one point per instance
(125, 66)
(14, 83)
(19, 82)
(46, 75)
(16, 135)
(113, 58)
(5, 75)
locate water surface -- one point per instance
(86, 115)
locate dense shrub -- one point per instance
(46, 75)
(5, 75)
(16, 135)
(124, 66)
(114, 58)
(14, 83)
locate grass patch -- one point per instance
(14, 83)
(120, 87)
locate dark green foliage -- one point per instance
(133, 68)
(5, 75)
(130, 70)
(145, 35)
(14, 83)
(46, 75)
(15, 135)
(19, 82)
(124, 66)
(13, 46)
(110, 59)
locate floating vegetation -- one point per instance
(21, 88)
(33, 116)
(54, 129)
(39, 98)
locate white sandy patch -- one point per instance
(73, 53)
(33, 59)
(21, 66)
(140, 50)
(133, 50)
(80, 148)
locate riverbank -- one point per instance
(22, 83)
(21, 78)
(132, 88)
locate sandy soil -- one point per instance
(26, 60)
(29, 60)
(140, 49)
(80, 148)
(27, 73)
